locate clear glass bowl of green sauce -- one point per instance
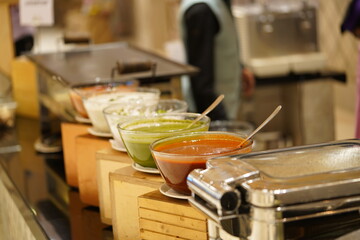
(138, 134)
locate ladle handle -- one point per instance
(268, 119)
(209, 109)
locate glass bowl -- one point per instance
(138, 134)
(177, 156)
(78, 92)
(240, 127)
(171, 105)
(95, 105)
(118, 113)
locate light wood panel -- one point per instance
(25, 87)
(107, 161)
(6, 43)
(150, 24)
(169, 218)
(126, 184)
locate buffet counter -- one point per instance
(109, 200)
(36, 202)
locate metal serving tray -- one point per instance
(257, 193)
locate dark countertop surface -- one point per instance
(39, 179)
(84, 64)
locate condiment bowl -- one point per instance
(177, 156)
(119, 113)
(79, 92)
(138, 134)
(240, 127)
(95, 105)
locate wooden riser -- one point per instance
(107, 161)
(126, 185)
(86, 148)
(168, 218)
(69, 132)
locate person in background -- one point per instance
(23, 36)
(351, 23)
(210, 39)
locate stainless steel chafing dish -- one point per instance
(306, 192)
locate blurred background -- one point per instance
(153, 26)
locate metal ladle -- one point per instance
(209, 109)
(268, 119)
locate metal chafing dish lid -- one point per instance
(290, 175)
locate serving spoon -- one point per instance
(268, 119)
(209, 109)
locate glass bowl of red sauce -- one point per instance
(177, 156)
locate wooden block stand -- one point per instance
(86, 148)
(165, 218)
(108, 160)
(69, 132)
(126, 185)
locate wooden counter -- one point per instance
(126, 185)
(161, 217)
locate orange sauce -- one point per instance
(189, 154)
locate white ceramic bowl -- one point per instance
(79, 92)
(96, 104)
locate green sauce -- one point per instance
(164, 127)
(137, 144)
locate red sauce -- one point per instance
(190, 154)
